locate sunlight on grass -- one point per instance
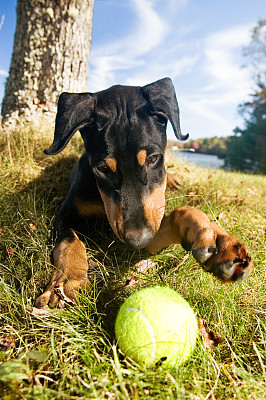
(71, 353)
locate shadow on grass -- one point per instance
(27, 242)
(26, 225)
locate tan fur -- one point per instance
(185, 223)
(194, 227)
(114, 214)
(154, 206)
(112, 164)
(71, 266)
(141, 157)
(86, 209)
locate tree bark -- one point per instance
(50, 55)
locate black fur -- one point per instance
(116, 123)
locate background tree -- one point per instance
(246, 151)
(50, 54)
(255, 52)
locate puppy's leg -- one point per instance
(70, 273)
(211, 246)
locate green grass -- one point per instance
(71, 354)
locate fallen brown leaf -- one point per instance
(173, 182)
(252, 190)
(222, 215)
(133, 280)
(144, 265)
(6, 343)
(3, 230)
(32, 227)
(210, 339)
(40, 312)
(93, 265)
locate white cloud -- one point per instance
(3, 72)
(222, 62)
(161, 69)
(151, 31)
(128, 52)
(139, 51)
(224, 84)
(148, 52)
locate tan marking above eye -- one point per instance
(111, 163)
(141, 157)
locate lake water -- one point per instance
(204, 160)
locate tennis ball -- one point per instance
(156, 324)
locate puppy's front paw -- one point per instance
(59, 294)
(228, 260)
(69, 276)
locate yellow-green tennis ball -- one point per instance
(156, 324)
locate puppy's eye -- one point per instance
(104, 169)
(152, 159)
(161, 119)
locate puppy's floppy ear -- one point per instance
(162, 98)
(74, 111)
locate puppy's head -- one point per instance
(124, 132)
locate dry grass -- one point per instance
(72, 353)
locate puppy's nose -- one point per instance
(138, 239)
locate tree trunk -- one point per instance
(50, 55)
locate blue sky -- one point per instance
(198, 43)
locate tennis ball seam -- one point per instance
(152, 333)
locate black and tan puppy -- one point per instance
(122, 174)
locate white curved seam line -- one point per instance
(153, 339)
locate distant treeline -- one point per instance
(214, 145)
